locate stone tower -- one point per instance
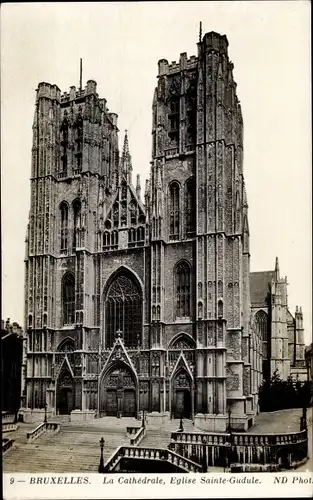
(75, 163)
(280, 361)
(197, 173)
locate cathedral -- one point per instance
(140, 300)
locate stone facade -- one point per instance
(135, 304)
(282, 333)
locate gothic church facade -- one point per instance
(142, 302)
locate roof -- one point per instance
(260, 287)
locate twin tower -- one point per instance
(142, 302)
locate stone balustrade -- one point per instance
(170, 456)
(45, 427)
(134, 441)
(9, 426)
(132, 430)
(8, 417)
(7, 444)
(284, 449)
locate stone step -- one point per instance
(73, 449)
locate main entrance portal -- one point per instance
(181, 401)
(118, 393)
(65, 394)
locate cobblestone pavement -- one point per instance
(287, 421)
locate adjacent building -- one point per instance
(11, 363)
(281, 331)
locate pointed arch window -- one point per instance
(182, 289)
(68, 299)
(64, 146)
(262, 325)
(123, 311)
(190, 207)
(173, 118)
(64, 227)
(174, 211)
(77, 223)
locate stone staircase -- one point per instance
(159, 435)
(74, 449)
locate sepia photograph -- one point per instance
(156, 245)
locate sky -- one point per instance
(120, 44)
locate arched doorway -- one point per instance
(118, 392)
(181, 395)
(65, 394)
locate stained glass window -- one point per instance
(123, 311)
(68, 299)
(190, 207)
(174, 211)
(64, 227)
(182, 281)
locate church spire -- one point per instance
(138, 187)
(276, 269)
(126, 160)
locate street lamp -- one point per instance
(101, 464)
(227, 448)
(143, 424)
(45, 420)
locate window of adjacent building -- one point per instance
(123, 311)
(64, 227)
(182, 288)
(68, 299)
(190, 207)
(262, 325)
(77, 223)
(174, 211)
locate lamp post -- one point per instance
(227, 448)
(143, 424)
(101, 464)
(45, 420)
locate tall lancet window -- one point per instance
(64, 227)
(64, 146)
(68, 299)
(190, 207)
(77, 223)
(79, 143)
(262, 325)
(174, 211)
(182, 285)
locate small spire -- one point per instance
(138, 186)
(126, 160)
(300, 310)
(277, 269)
(81, 74)
(147, 187)
(200, 32)
(297, 310)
